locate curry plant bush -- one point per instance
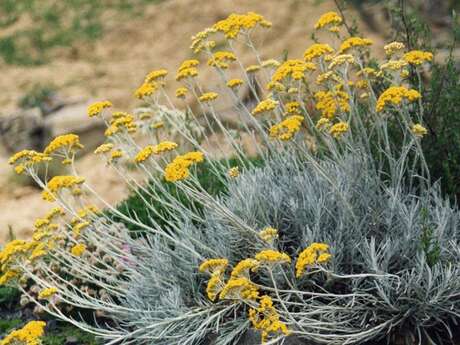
(336, 233)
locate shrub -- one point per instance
(337, 235)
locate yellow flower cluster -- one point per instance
(234, 172)
(147, 151)
(292, 107)
(78, 249)
(188, 69)
(317, 50)
(268, 234)
(47, 293)
(29, 335)
(286, 129)
(242, 268)
(328, 76)
(181, 92)
(270, 63)
(200, 40)
(178, 169)
(235, 23)
(340, 60)
(354, 42)
(266, 319)
(97, 108)
(58, 183)
(27, 158)
(418, 57)
(121, 121)
(418, 130)
(314, 254)
(221, 59)
(239, 288)
(232, 83)
(338, 129)
(395, 95)
(104, 148)
(252, 68)
(394, 65)
(328, 19)
(208, 96)
(294, 69)
(265, 106)
(329, 103)
(323, 123)
(270, 256)
(146, 89)
(67, 142)
(393, 48)
(155, 75)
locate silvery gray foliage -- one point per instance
(395, 254)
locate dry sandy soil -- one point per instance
(115, 65)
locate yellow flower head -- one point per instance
(146, 89)
(328, 19)
(294, 69)
(323, 123)
(314, 254)
(340, 60)
(329, 102)
(265, 106)
(47, 293)
(270, 256)
(188, 69)
(236, 23)
(252, 68)
(97, 108)
(234, 172)
(419, 131)
(394, 65)
(239, 288)
(178, 169)
(354, 42)
(393, 48)
(266, 319)
(30, 334)
(242, 268)
(418, 57)
(292, 107)
(27, 158)
(233, 83)
(208, 97)
(268, 234)
(66, 142)
(58, 183)
(338, 129)
(104, 148)
(317, 50)
(221, 59)
(78, 249)
(212, 265)
(123, 121)
(181, 92)
(147, 151)
(200, 40)
(270, 63)
(395, 95)
(155, 75)
(286, 129)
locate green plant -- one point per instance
(63, 333)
